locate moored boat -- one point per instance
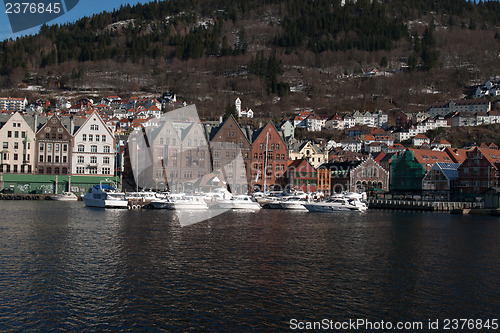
(65, 196)
(337, 203)
(180, 202)
(240, 202)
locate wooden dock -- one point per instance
(434, 206)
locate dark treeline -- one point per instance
(171, 29)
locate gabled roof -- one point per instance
(449, 170)
(426, 156)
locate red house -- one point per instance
(480, 170)
(269, 157)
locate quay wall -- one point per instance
(48, 184)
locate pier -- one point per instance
(434, 206)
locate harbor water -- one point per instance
(67, 267)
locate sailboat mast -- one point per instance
(264, 174)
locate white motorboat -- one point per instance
(180, 202)
(141, 196)
(336, 203)
(240, 202)
(105, 196)
(65, 196)
(294, 203)
(217, 195)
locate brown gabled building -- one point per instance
(53, 148)
(226, 144)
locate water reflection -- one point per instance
(68, 267)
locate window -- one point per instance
(261, 146)
(93, 149)
(60, 137)
(49, 159)
(91, 138)
(65, 148)
(105, 160)
(9, 134)
(81, 159)
(16, 157)
(41, 158)
(97, 138)
(57, 147)
(80, 170)
(56, 170)
(64, 171)
(40, 170)
(81, 148)
(106, 149)
(47, 136)
(5, 145)
(84, 137)
(93, 159)
(56, 159)
(49, 170)
(65, 159)
(106, 171)
(49, 147)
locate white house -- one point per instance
(93, 148)
(420, 140)
(18, 148)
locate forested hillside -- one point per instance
(204, 48)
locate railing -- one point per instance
(421, 205)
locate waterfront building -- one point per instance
(18, 145)
(440, 180)
(335, 177)
(93, 148)
(53, 148)
(229, 141)
(269, 157)
(479, 171)
(369, 176)
(300, 176)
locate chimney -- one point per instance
(220, 119)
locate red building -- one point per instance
(269, 157)
(479, 171)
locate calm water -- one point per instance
(68, 267)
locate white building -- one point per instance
(18, 148)
(467, 105)
(93, 148)
(13, 104)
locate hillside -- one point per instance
(276, 55)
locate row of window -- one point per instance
(93, 160)
(270, 156)
(55, 159)
(48, 171)
(92, 171)
(16, 134)
(15, 168)
(93, 149)
(56, 146)
(273, 146)
(53, 136)
(26, 145)
(6, 157)
(92, 137)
